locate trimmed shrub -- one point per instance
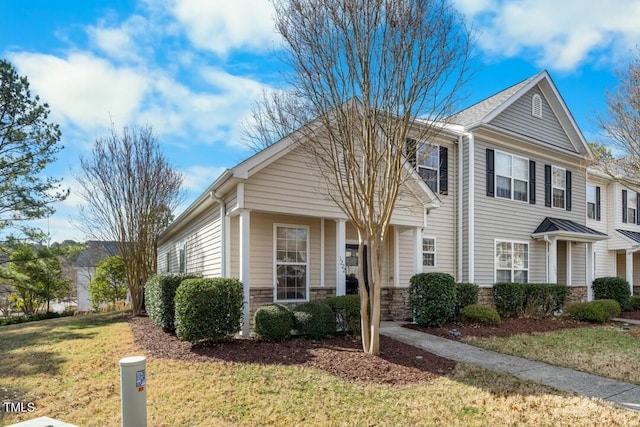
(610, 306)
(467, 294)
(208, 309)
(159, 298)
(273, 322)
(346, 308)
(480, 315)
(542, 299)
(509, 298)
(634, 302)
(587, 312)
(14, 320)
(314, 320)
(433, 298)
(612, 288)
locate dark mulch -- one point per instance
(507, 327)
(343, 357)
(635, 315)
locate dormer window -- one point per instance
(536, 106)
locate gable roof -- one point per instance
(95, 252)
(483, 112)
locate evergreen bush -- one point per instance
(208, 309)
(346, 308)
(273, 322)
(433, 298)
(480, 315)
(613, 288)
(314, 320)
(159, 298)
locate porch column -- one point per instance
(396, 256)
(569, 278)
(245, 268)
(322, 252)
(629, 265)
(590, 271)
(341, 246)
(417, 234)
(552, 260)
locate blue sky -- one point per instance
(193, 68)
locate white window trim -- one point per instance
(432, 148)
(435, 261)
(553, 187)
(495, 264)
(594, 202)
(536, 106)
(495, 178)
(275, 263)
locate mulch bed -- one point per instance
(343, 357)
(507, 327)
(635, 315)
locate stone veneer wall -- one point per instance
(636, 290)
(576, 294)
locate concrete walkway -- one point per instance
(617, 392)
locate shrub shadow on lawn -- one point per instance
(341, 356)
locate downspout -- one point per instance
(223, 233)
(471, 207)
(460, 203)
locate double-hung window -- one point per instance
(512, 177)
(428, 252)
(511, 261)
(631, 207)
(291, 263)
(591, 201)
(429, 165)
(559, 187)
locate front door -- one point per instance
(351, 268)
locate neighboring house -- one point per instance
(614, 209)
(500, 197)
(85, 269)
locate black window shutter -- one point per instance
(568, 190)
(491, 167)
(597, 203)
(444, 170)
(532, 182)
(624, 205)
(410, 148)
(547, 185)
(637, 209)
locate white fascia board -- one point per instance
(571, 236)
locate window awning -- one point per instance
(631, 236)
(565, 229)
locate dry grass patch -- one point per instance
(602, 350)
(69, 368)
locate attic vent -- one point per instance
(536, 105)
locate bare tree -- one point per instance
(622, 126)
(367, 70)
(130, 190)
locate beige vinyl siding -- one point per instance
(329, 253)
(290, 185)
(636, 269)
(503, 219)
(562, 263)
(605, 262)
(407, 257)
(518, 118)
(465, 209)
(620, 265)
(442, 222)
(203, 241)
(578, 264)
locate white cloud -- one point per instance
(222, 25)
(83, 90)
(121, 42)
(198, 178)
(557, 34)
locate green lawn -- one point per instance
(69, 369)
(602, 350)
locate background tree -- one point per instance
(130, 189)
(35, 274)
(28, 142)
(622, 127)
(367, 70)
(109, 285)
